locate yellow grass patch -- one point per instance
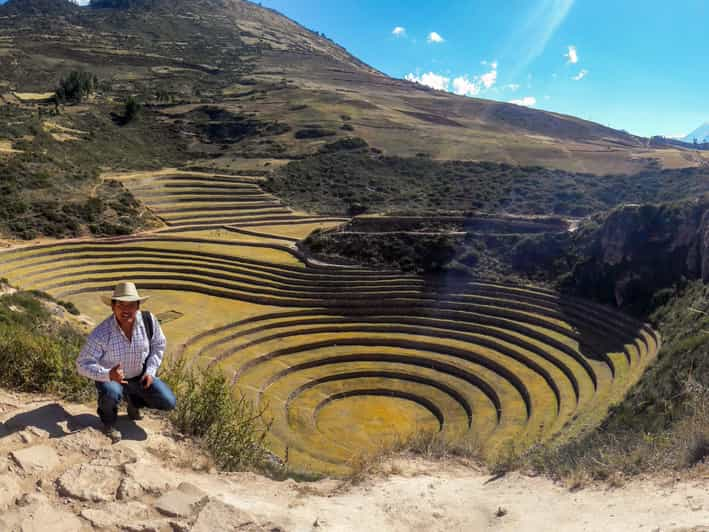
(33, 97)
(7, 149)
(61, 133)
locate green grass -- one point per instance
(332, 183)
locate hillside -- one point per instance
(257, 67)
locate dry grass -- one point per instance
(430, 446)
(611, 457)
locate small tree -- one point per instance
(132, 108)
(75, 87)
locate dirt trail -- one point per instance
(59, 473)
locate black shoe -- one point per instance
(112, 432)
(134, 411)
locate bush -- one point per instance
(346, 144)
(35, 355)
(230, 427)
(70, 307)
(76, 86)
(132, 108)
(314, 133)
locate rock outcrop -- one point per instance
(640, 249)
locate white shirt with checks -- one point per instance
(107, 345)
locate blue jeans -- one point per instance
(159, 396)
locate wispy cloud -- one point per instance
(435, 38)
(527, 101)
(580, 75)
(511, 87)
(435, 81)
(399, 31)
(533, 35)
(572, 55)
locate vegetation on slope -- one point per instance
(51, 185)
(37, 353)
(664, 422)
(404, 251)
(338, 183)
(52, 200)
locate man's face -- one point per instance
(125, 311)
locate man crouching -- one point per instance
(122, 354)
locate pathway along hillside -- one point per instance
(347, 360)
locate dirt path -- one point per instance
(59, 473)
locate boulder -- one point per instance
(184, 501)
(116, 514)
(39, 515)
(89, 482)
(39, 458)
(217, 515)
(152, 478)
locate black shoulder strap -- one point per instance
(148, 323)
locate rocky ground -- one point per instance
(59, 473)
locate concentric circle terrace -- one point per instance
(345, 360)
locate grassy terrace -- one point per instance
(347, 360)
(197, 200)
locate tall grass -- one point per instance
(36, 355)
(231, 428)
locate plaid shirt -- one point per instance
(107, 345)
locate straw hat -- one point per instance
(124, 291)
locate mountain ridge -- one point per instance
(224, 49)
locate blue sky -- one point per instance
(638, 65)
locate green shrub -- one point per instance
(346, 144)
(76, 86)
(313, 133)
(32, 362)
(131, 110)
(231, 428)
(70, 307)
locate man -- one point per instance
(120, 356)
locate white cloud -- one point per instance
(572, 55)
(511, 87)
(489, 78)
(580, 75)
(464, 87)
(435, 81)
(434, 37)
(527, 101)
(399, 31)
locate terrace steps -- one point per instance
(344, 358)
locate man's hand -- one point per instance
(116, 374)
(146, 381)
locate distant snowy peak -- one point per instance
(701, 134)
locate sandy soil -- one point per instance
(421, 496)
